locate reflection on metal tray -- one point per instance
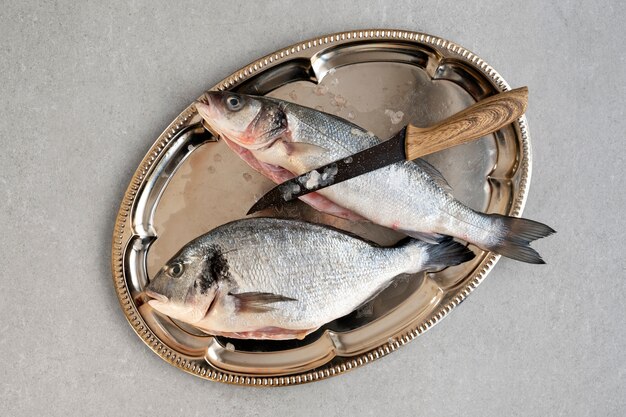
(380, 80)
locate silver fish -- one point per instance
(281, 139)
(267, 278)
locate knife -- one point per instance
(476, 121)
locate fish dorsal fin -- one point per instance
(434, 174)
(257, 302)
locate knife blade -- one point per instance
(478, 120)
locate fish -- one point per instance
(281, 139)
(277, 279)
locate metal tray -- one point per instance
(379, 79)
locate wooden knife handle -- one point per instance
(476, 121)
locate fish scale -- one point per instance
(411, 197)
(403, 180)
(313, 274)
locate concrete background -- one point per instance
(85, 88)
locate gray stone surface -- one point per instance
(85, 87)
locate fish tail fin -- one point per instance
(438, 256)
(514, 236)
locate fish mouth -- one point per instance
(156, 296)
(208, 111)
(203, 107)
(208, 105)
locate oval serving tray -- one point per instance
(189, 182)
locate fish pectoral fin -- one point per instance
(321, 203)
(434, 174)
(301, 148)
(257, 302)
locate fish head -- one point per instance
(185, 287)
(249, 121)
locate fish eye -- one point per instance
(234, 103)
(176, 270)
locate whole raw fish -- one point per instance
(267, 278)
(281, 139)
